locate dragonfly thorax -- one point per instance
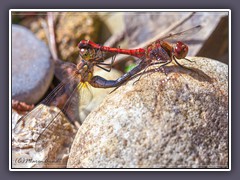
(84, 71)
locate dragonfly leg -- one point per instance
(190, 60)
(154, 63)
(145, 69)
(106, 64)
(105, 69)
(162, 69)
(162, 65)
(180, 64)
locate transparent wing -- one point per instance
(80, 98)
(183, 34)
(51, 100)
(66, 89)
(50, 130)
(85, 95)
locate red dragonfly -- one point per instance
(159, 52)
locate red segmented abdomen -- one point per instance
(133, 52)
(90, 44)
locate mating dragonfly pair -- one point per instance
(159, 52)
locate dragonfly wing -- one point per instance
(79, 98)
(183, 34)
(55, 133)
(85, 98)
(41, 118)
(56, 120)
(85, 95)
(51, 100)
(79, 101)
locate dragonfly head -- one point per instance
(180, 50)
(87, 54)
(83, 44)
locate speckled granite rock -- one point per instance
(174, 121)
(32, 69)
(51, 150)
(15, 117)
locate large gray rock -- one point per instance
(174, 121)
(32, 68)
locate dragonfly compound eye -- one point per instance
(82, 51)
(83, 44)
(87, 54)
(180, 50)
